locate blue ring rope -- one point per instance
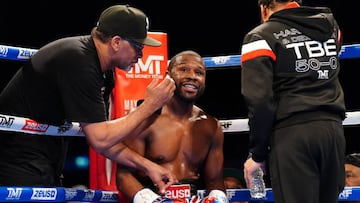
(55, 194)
(23, 54)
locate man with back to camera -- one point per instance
(182, 138)
(69, 80)
(290, 67)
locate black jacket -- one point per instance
(290, 68)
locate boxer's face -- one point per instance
(189, 74)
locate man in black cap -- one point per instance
(70, 80)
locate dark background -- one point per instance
(212, 29)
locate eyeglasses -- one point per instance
(138, 47)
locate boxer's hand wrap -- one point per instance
(215, 196)
(148, 196)
(165, 200)
(195, 199)
(145, 196)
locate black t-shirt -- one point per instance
(62, 82)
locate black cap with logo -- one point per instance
(126, 21)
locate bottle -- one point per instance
(258, 185)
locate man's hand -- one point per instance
(158, 94)
(161, 177)
(249, 167)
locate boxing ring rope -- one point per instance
(60, 194)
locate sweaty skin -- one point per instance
(183, 138)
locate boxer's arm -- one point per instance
(126, 182)
(213, 174)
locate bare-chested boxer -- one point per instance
(182, 138)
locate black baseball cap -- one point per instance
(353, 159)
(126, 21)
